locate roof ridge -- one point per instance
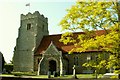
(72, 32)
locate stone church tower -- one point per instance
(32, 29)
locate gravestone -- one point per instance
(74, 72)
(49, 74)
(4, 70)
(55, 74)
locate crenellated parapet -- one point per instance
(36, 14)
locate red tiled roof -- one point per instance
(59, 45)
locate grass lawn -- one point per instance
(45, 76)
(86, 76)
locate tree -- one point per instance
(89, 17)
(97, 64)
(2, 62)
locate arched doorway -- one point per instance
(52, 66)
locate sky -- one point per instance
(10, 11)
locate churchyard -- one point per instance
(46, 76)
(57, 55)
(69, 77)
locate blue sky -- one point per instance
(10, 11)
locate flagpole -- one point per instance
(28, 5)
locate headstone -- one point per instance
(74, 73)
(74, 70)
(4, 71)
(49, 74)
(55, 74)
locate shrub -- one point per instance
(114, 77)
(8, 67)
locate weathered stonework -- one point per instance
(32, 29)
(37, 51)
(50, 54)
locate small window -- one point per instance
(28, 26)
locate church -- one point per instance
(37, 50)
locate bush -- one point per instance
(8, 67)
(117, 71)
(114, 77)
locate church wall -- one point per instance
(79, 59)
(42, 30)
(72, 62)
(20, 63)
(65, 65)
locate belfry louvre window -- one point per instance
(28, 26)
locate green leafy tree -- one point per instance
(97, 64)
(89, 17)
(2, 61)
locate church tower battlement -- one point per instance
(32, 29)
(36, 14)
